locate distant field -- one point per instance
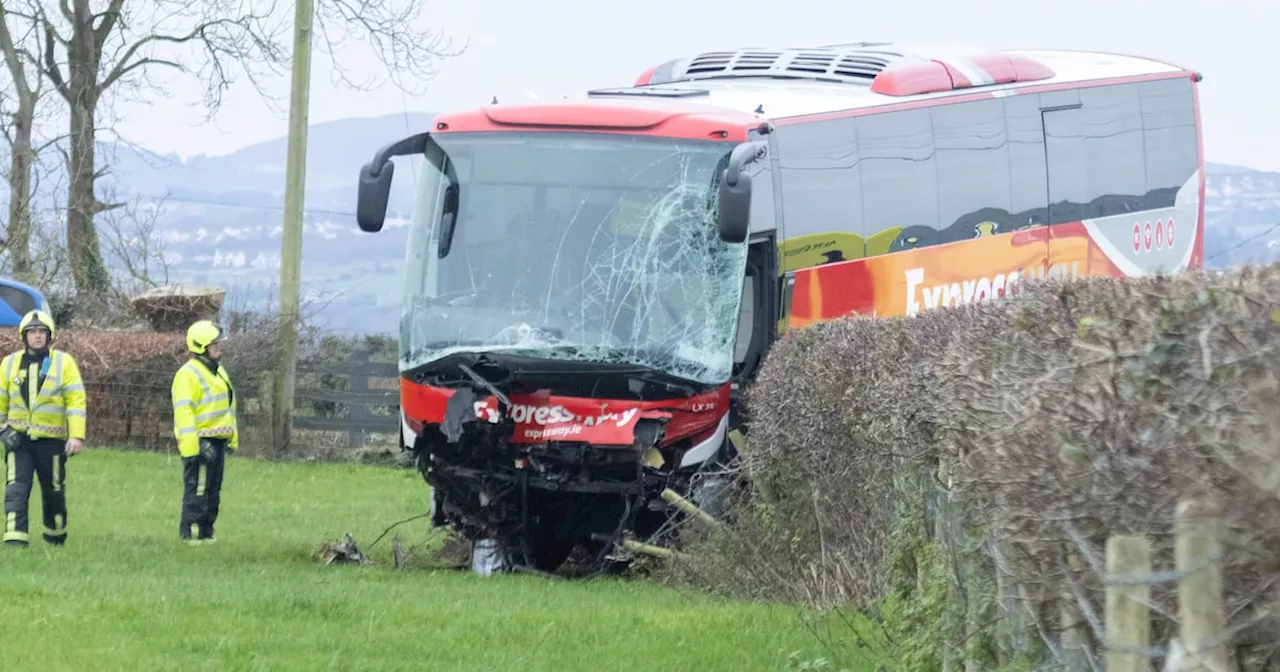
(125, 595)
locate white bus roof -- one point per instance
(780, 83)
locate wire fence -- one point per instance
(1202, 638)
(1146, 602)
(346, 399)
(962, 477)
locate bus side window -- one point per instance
(763, 206)
(973, 169)
(1116, 163)
(1029, 204)
(899, 177)
(821, 193)
(746, 318)
(1169, 129)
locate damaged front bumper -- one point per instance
(541, 472)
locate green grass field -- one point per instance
(124, 594)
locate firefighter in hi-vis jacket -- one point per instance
(204, 422)
(42, 406)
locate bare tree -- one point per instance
(48, 243)
(91, 52)
(132, 240)
(49, 256)
(20, 48)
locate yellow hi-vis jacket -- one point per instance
(203, 406)
(56, 409)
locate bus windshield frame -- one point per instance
(573, 246)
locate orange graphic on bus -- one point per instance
(911, 281)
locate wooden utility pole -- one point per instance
(291, 240)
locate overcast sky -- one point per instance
(552, 47)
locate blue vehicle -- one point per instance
(18, 299)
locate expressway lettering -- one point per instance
(548, 433)
(554, 415)
(921, 296)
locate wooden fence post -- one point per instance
(1197, 553)
(1128, 619)
(358, 411)
(263, 436)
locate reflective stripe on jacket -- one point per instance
(57, 408)
(203, 406)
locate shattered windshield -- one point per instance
(593, 247)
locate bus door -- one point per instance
(765, 290)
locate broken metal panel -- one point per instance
(487, 557)
(343, 552)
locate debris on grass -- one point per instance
(454, 551)
(343, 552)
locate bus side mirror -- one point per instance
(448, 221)
(374, 192)
(734, 219)
(374, 188)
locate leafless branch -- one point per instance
(133, 241)
(52, 69)
(219, 41)
(14, 57)
(408, 55)
(90, 55)
(19, 39)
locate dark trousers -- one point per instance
(202, 491)
(47, 460)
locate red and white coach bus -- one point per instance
(589, 281)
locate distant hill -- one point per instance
(221, 218)
(1242, 214)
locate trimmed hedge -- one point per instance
(1019, 433)
(128, 374)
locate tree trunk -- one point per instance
(22, 158)
(18, 234)
(83, 249)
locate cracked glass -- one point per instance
(597, 247)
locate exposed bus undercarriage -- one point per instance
(528, 499)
